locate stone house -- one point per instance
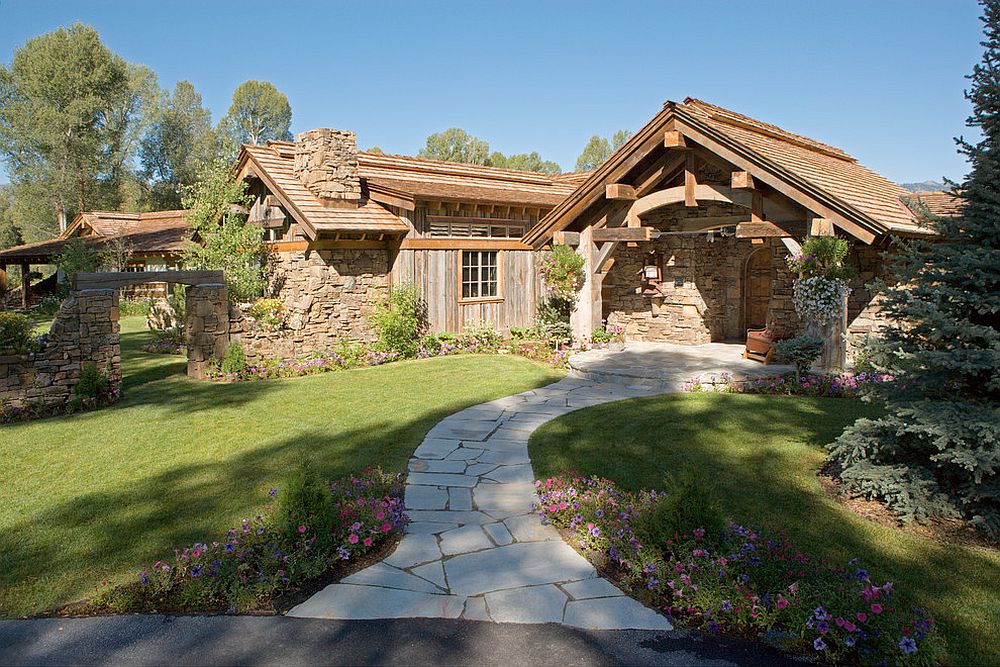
(685, 231)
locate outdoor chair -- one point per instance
(760, 344)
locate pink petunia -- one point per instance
(368, 541)
(862, 617)
(352, 538)
(876, 608)
(386, 527)
(302, 529)
(782, 603)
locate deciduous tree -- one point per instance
(455, 145)
(259, 112)
(599, 149)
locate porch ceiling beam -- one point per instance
(690, 182)
(763, 229)
(775, 182)
(620, 192)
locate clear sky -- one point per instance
(881, 79)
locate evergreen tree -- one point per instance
(936, 452)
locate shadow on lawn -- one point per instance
(734, 441)
(146, 520)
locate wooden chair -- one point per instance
(760, 344)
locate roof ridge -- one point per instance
(462, 167)
(730, 117)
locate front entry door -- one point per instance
(757, 289)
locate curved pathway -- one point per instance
(475, 549)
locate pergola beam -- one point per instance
(628, 234)
(674, 139)
(742, 180)
(619, 192)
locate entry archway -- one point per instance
(758, 278)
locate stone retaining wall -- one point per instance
(328, 295)
(85, 330)
(207, 327)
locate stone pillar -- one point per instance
(207, 327)
(587, 315)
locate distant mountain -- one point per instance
(926, 186)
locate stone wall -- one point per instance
(701, 294)
(207, 327)
(327, 162)
(85, 330)
(328, 295)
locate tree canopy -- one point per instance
(455, 145)
(259, 112)
(599, 149)
(523, 162)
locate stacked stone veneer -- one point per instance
(328, 295)
(701, 293)
(327, 162)
(207, 327)
(85, 330)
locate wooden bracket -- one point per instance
(566, 238)
(821, 227)
(742, 180)
(690, 182)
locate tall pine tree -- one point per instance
(936, 452)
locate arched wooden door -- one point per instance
(757, 289)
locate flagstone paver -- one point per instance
(475, 546)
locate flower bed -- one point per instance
(843, 385)
(166, 342)
(258, 563)
(739, 580)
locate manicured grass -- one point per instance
(762, 454)
(101, 494)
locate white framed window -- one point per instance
(480, 274)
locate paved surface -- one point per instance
(248, 640)
(475, 548)
(667, 366)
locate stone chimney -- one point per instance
(327, 162)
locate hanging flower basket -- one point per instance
(818, 299)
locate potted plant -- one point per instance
(617, 337)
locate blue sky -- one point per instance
(881, 79)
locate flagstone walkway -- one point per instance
(475, 549)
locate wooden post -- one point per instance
(586, 316)
(3, 280)
(24, 286)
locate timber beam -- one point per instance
(619, 192)
(674, 139)
(628, 234)
(742, 180)
(566, 238)
(821, 227)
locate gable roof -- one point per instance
(157, 233)
(274, 166)
(820, 177)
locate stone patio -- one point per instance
(475, 549)
(666, 367)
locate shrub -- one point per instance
(481, 335)
(561, 270)
(305, 500)
(49, 306)
(737, 579)
(166, 342)
(269, 314)
(801, 351)
(523, 333)
(76, 257)
(822, 256)
(134, 307)
(235, 361)
(398, 320)
(690, 503)
(93, 383)
(16, 333)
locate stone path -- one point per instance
(475, 549)
(667, 366)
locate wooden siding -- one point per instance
(436, 273)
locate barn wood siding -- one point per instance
(436, 274)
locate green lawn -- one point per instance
(762, 453)
(100, 494)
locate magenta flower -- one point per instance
(352, 538)
(302, 529)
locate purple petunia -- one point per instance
(819, 644)
(908, 645)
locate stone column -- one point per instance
(207, 327)
(586, 316)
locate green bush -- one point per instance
(235, 361)
(690, 503)
(93, 383)
(305, 500)
(801, 351)
(15, 333)
(134, 307)
(523, 333)
(562, 272)
(823, 257)
(49, 306)
(398, 320)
